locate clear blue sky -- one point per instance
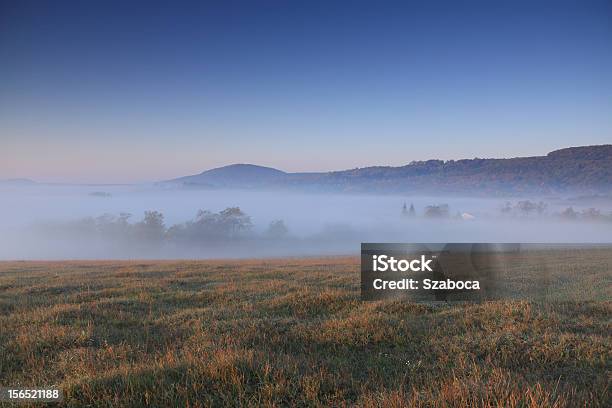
(102, 91)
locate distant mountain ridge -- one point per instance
(586, 169)
(234, 175)
(17, 182)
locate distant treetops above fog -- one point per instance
(234, 224)
(586, 169)
(229, 224)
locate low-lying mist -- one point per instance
(119, 222)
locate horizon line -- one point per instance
(87, 183)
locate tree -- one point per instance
(591, 214)
(526, 207)
(229, 223)
(408, 212)
(152, 227)
(437, 211)
(277, 229)
(569, 214)
(235, 220)
(113, 227)
(124, 218)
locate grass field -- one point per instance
(290, 332)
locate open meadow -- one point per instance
(292, 332)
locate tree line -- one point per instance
(229, 224)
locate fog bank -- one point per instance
(68, 222)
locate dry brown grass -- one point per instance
(287, 332)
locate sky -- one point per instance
(119, 92)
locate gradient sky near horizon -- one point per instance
(105, 91)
